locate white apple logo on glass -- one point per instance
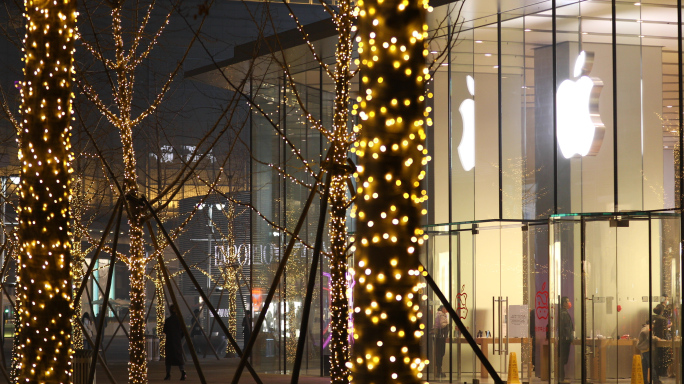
(466, 149)
(579, 127)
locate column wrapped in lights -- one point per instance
(44, 348)
(337, 161)
(387, 318)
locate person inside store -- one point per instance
(196, 331)
(441, 330)
(533, 336)
(667, 308)
(644, 344)
(663, 357)
(668, 313)
(220, 344)
(104, 328)
(566, 330)
(88, 330)
(174, 343)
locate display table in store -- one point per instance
(485, 342)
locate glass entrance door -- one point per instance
(502, 307)
(614, 277)
(485, 269)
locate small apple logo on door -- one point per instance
(579, 127)
(466, 148)
(462, 308)
(541, 303)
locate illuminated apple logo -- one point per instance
(466, 149)
(541, 302)
(462, 308)
(579, 127)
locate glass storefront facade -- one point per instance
(544, 194)
(555, 174)
(280, 199)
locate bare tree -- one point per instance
(121, 50)
(335, 163)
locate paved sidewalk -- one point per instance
(215, 371)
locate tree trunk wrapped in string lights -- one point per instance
(340, 143)
(124, 64)
(44, 282)
(387, 327)
(78, 274)
(77, 209)
(160, 309)
(230, 274)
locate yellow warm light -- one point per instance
(44, 319)
(391, 194)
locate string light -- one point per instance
(336, 164)
(230, 272)
(160, 309)
(13, 253)
(43, 350)
(391, 153)
(340, 142)
(77, 209)
(295, 291)
(125, 63)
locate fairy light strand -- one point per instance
(340, 174)
(124, 62)
(392, 153)
(77, 209)
(160, 309)
(44, 290)
(230, 273)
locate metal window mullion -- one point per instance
(615, 105)
(681, 145)
(499, 111)
(450, 169)
(555, 111)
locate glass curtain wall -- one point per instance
(545, 112)
(281, 181)
(611, 275)
(489, 273)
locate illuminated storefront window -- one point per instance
(555, 173)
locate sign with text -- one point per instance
(519, 321)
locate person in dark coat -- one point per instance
(566, 330)
(246, 329)
(196, 331)
(441, 329)
(88, 326)
(663, 357)
(174, 346)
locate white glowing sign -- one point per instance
(466, 148)
(579, 127)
